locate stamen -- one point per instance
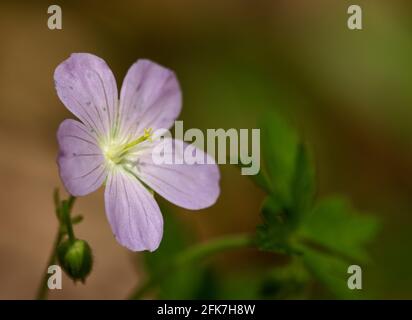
(117, 153)
(147, 135)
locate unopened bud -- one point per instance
(75, 258)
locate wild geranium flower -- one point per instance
(113, 145)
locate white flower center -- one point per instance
(116, 152)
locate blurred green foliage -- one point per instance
(329, 235)
(322, 238)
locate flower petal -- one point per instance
(87, 87)
(132, 211)
(150, 98)
(80, 160)
(191, 186)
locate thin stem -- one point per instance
(211, 247)
(193, 254)
(43, 289)
(67, 220)
(70, 203)
(63, 210)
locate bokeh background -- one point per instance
(348, 93)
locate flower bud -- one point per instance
(75, 258)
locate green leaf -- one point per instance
(331, 271)
(303, 185)
(77, 219)
(333, 237)
(335, 225)
(287, 169)
(279, 149)
(281, 220)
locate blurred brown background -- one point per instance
(348, 92)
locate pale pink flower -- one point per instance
(112, 145)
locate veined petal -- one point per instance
(87, 87)
(80, 160)
(191, 186)
(132, 212)
(150, 98)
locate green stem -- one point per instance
(70, 203)
(43, 289)
(195, 253)
(67, 220)
(211, 247)
(63, 212)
